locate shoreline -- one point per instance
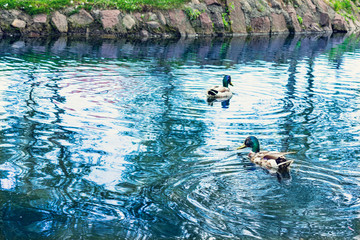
(197, 19)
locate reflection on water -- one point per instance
(225, 103)
(115, 139)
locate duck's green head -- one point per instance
(227, 81)
(251, 142)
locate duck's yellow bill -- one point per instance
(241, 147)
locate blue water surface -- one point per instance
(114, 139)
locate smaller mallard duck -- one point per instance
(221, 91)
(269, 160)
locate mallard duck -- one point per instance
(269, 160)
(220, 91)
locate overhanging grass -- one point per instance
(343, 5)
(346, 8)
(46, 6)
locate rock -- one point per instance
(40, 18)
(18, 23)
(278, 23)
(151, 17)
(217, 19)
(338, 24)
(274, 4)
(353, 25)
(138, 16)
(260, 25)
(246, 7)
(128, 22)
(311, 6)
(161, 18)
(33, 34)
(96, 14)
(294, 25)
(206, 23)
(153, 25)
(109, 18)
(11, 21)
(60, 22)
(21, 15)
(6, 18)
(67, 11)
(211, 2)
(81, 19)
(236, 16)
(199, 18)
(144, 34)
(324, 19)
(206, 18)
(15, 12)
(178, 20)
(323, 7)
(38, 26)
(310, 24)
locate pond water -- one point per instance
(114, 139)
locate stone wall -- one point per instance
(197, 18)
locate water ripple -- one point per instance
(117, 138)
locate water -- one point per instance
(113, 139)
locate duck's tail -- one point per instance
(285, 164)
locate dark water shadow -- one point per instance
(215, 51)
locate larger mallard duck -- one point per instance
(221, 91)
(269, 160)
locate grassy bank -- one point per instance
(46, 6)
(346, 8)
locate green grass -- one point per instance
(300, 19)
(46, 6)
(225, 22)
(343, 5)
(193, 14)
(345, 8)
